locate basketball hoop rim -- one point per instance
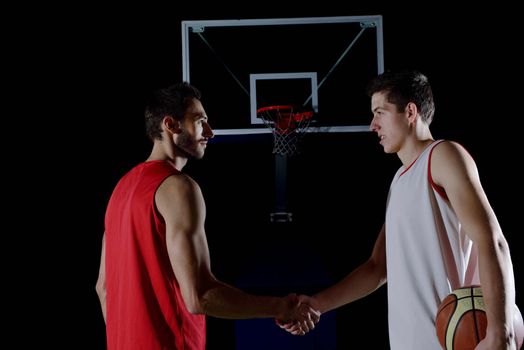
(277, 107)
(284, 110)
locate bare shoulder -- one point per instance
(449, 148)
(177, 189)
(450, 152)
(451, 159)
(179, 182)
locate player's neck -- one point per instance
(167, 152)
(412, 149)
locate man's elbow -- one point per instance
(378, 268)
(195, 301)
(100, 289)
(195, 309)
(196, 306)
(501, 244)
(203, 302)
(203, 299)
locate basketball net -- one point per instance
(288, 126)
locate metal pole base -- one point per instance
(281, 217)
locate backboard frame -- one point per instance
(373, 21)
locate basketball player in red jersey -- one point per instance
(155, 281)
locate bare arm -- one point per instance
(180, 202)
(454, 170)
(101, 282)
(362, 281)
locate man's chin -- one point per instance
(190, 153)
(197, 155)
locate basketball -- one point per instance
(461, 320)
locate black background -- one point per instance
(81, 77)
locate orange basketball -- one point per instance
(461, 320)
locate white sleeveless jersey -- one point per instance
(428, 255)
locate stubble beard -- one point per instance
(188, 146)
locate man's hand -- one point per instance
(303, 318)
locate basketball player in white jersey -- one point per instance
(440, 232)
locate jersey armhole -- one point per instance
(439, 189)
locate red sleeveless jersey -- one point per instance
(145, 309)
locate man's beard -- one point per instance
(188, 146)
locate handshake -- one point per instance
(301, 314)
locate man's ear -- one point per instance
(411, 112)
(171, 124)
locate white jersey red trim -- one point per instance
(428, 255)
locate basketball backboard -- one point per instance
(321, 63)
